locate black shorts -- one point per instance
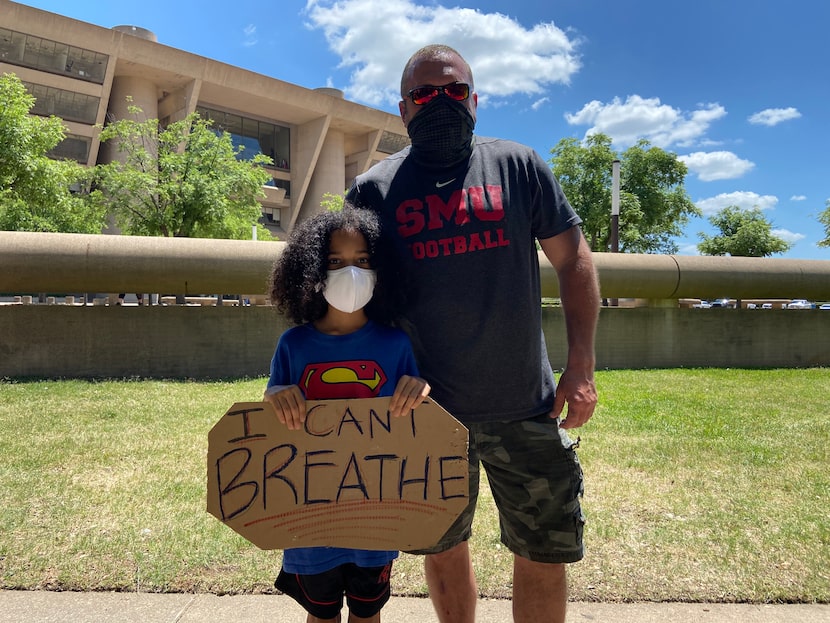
(366, 590)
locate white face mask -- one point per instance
(350, 288)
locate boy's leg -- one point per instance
(321, 595)
(367, 591)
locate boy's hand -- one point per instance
(409, 393)
(289, 403)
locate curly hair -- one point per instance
(299, 274)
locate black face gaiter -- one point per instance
(441, 133)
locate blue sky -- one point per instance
(737, 88)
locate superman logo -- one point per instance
(342, 379)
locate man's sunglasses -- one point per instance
(458, 91)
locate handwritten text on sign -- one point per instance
(353, 477)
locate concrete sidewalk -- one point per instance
(54, 607)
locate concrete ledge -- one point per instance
(210, 342)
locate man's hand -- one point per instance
(580, 394)
(409, 393)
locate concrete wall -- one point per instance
(650, 337)
(155, 342)
(218, 342)
(54, 341)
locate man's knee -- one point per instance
(551, 573)
(458, 554)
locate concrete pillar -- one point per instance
(329, 174)
(129, 91)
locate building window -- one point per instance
(392, 143)
(17, 48)
(257, 137)
(271, 216)
(67, 105)
(72, 148)
(278, 183)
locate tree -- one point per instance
(824, 219)
(36, 191)
(332, 202)
(181, 180)
(654, 205)
(746, 233)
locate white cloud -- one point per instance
(250, 36)
(742, 199)
(787, 235)
(539, 103)
(637, 117)
(716, 165)
(798, 198)
(506, 57)
(774, 116)
(688, 249)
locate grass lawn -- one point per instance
(701, 485)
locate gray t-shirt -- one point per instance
(466, 240)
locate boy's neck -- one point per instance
(336, 322)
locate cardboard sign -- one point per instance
(353, 477)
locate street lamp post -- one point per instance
(615, 206)
(615, 215)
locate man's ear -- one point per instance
(402, 109)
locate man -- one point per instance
(464, 213)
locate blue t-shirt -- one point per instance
(363, 364)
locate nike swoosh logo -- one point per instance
(442, 184)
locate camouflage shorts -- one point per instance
(536, 481)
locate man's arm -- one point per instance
(570, 256)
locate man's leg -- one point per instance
(534, 472)
(452, 584)
(540, 591)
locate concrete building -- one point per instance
(82, 73)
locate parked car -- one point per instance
(766, 306)
(824, 306)
(801, 304)
(722, 303)
(702, 305)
